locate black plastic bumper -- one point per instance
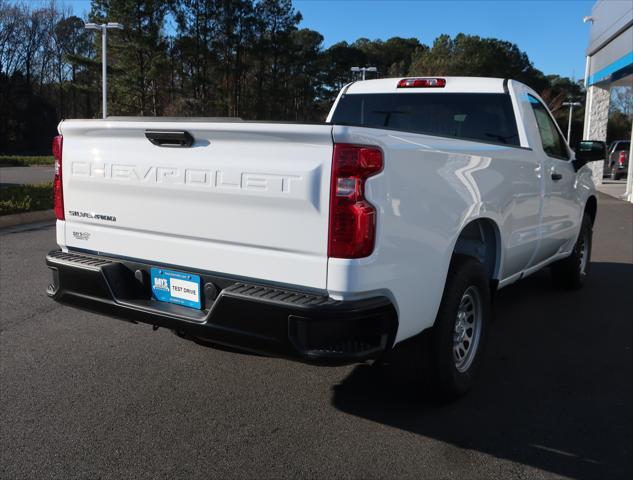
(256, 318)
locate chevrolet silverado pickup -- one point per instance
(331, 243)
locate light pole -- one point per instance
(104, 27)
(364, 70)
(571, 106)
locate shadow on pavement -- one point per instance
(555, 392)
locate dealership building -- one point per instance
(609, 65)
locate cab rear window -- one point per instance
(486, 117)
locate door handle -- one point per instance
(556, 176)
(169, 138)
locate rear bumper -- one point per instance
(257, 318)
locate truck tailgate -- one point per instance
(246, 199)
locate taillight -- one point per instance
(622, 157)
(58, 187)
(422, 83)
(352, 217)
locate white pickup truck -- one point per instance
(397, 218)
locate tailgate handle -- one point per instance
(169, 138)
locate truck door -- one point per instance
(560, 215)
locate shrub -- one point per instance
(25, 198)
(22, 161)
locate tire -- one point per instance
(571, 272)
(615, 175)
(467, 291)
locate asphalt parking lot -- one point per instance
(85, 396)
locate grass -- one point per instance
(25, 161)
(26, 198)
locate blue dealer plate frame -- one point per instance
(176, 287)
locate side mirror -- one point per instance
(590, 151)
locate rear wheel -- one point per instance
(615, 175)
(572, 271)
(456, 341)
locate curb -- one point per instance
(24, 218)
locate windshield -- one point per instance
(486, 117)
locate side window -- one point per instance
(553, 142)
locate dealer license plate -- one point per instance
(176, 287)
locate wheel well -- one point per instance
(591, 208)
(480, 239)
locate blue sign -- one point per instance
(176, 287)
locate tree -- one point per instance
(193, 59)
(246, 58)
(622, 100)
(618, 127)
(12, 21)
(337, 62)
(28, 118)
(232, 40)
(137, 54)
(273, 52)
(471, 55)
(305, 78)
(392, 57)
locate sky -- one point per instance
(551, 32)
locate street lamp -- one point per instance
(364, 70)
(571, 106)
(104, 27)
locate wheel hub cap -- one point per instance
(467, 329)
(583, 253)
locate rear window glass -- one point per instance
(486, 117)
